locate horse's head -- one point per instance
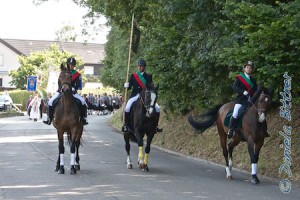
(149, 97)
(263, 103)
(65, 79)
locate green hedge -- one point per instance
(20, 97)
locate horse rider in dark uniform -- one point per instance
(245, 86)
(76, 85)
(136, 82)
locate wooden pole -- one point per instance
(128, 64)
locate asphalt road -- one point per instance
(29, 150)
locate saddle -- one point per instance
(240, 116)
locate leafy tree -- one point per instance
(66, 34)
(38, 63)
(195, 48)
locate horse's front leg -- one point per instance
(147, 151)
(72, 161)
(127, 147)
(61, 149)
(254, 153)
(140, 142)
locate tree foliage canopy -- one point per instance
(38, 63)
(194, 48)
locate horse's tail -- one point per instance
(206, 120)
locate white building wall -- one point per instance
(10, 62)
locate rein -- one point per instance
(259, 111)
(146, 107)
(66, 83)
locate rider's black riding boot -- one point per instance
(125, 127)
(84, 115)
(157, 128)
(231, 127)
(50, 112)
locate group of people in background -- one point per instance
(102, 104)
(99, 104)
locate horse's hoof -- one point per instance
(56, 168)
(254, 180)
(77, 167)
(61, 170)
(141, 165)
(146, 168)
(229, 178)
(129, 166)
(73, 170)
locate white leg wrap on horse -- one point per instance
(230, 164)
(61, 156)
(129, 160)
(228, 172)
(72, 162)
(254, 169)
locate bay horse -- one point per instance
(143, 121)
(67, 119)
(252, 131)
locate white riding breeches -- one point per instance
(50, 102)
(133, 99)
(77, 96)
(236, 110)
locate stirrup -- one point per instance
(267, 134)
(83, 121)
(48, 122)
(125, 129)
(159, 130)
(230, 134)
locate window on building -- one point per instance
(1, 82)
(89, 70)
(1, 60)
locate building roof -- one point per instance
(91, 53)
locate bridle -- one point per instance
(149, 108)
(66, 83)
(261, 111)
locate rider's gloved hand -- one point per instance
(126, 85)
(245, 93)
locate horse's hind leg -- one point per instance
(127, 147)
(77, 165)
(61, 149)
(225, 154)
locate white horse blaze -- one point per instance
(261, 117)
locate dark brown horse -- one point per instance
(143, 122)
(252, 130)
(66, 120)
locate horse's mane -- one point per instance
(256, 95)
